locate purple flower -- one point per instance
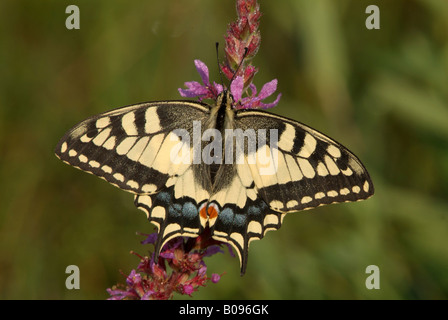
(151, 239)
(253, 101)
(188, 289)
(205, 91)
(208, 91)
(215, 277)
(117, 294)
(202, 272)
(133, 278)
(212, 250)
(180, 268)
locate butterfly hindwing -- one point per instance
(172, 216)
(237, 214)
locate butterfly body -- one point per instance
(192, 166)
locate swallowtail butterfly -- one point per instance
(132, 148)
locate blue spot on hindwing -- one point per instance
(226, 216)
(240, 220)
(254, 210)
(175, 210)
(189, 211)
(164, 197)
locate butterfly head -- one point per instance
(225, 100)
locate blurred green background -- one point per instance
(382, 93)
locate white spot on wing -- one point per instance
(334, 151)
(151, 150)
(110, 143)
(332, 193)
(133, 184)
(128, 124)
(331, 165)
(158, 212)
(106, 169)
(94, 164)
(366, 186)
(294, 169)
(306, 167)
(292, 204)
(145, 200)
(238, 239)
(126, 145)
(347, 172)
(319, 195)
(309, 145)
(191, 231)
(276, 205)
(254, 227)
(356, 189)
(101, 138)
(283, 175)
(83, 158)
(220, 234)
(306, 200)
(102, 122)
(85, 138)
(172, 227)
(162, 161)
(322, 169)
(152, 121)
(270, 219)
(251, 194)
(149, 188)
(64, 147)
(137, 150)
(286, 141)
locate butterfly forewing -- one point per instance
(309, 169)
(130, 147)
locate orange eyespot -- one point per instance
(212, 211)
(203, 211)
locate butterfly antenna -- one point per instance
(237, 69)
(219, 68)
(246, 49)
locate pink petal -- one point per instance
(203, 71)
(215, 277)
(268, 89)
(272, 104)
(194, 89)
(236, 88)
(219, 88)
(253, 90)
(188, 289)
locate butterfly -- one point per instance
(193, 166)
